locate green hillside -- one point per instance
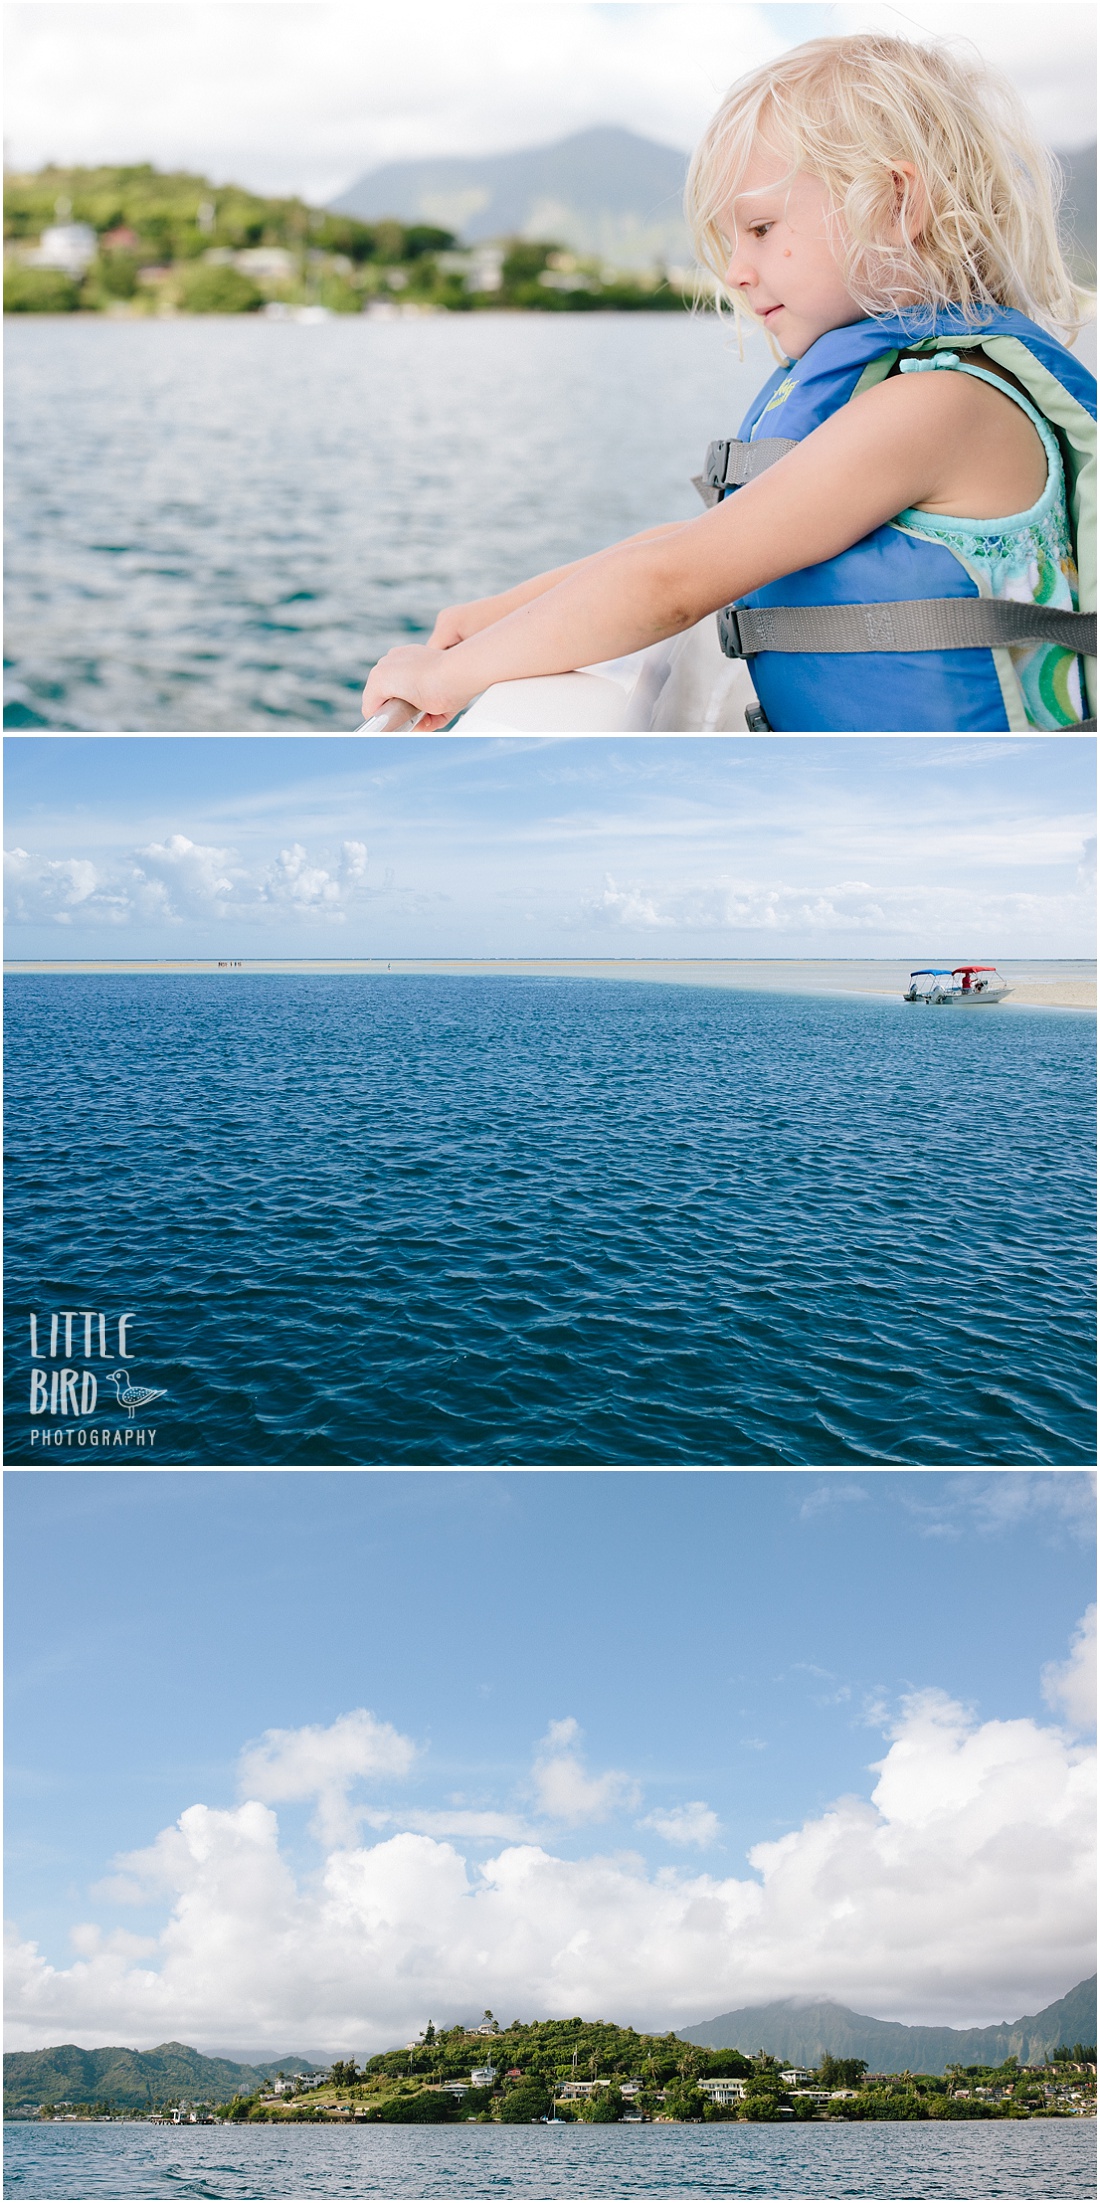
(132, 2080)
(178, 243)
(178, 216)
(534, 2071)
(555, 2050)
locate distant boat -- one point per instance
(966, 987)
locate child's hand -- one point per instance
(422, 675)
(457, 621)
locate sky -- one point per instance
(304, 95)
(123, 846)
(299, 1761)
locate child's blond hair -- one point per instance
(849, 111)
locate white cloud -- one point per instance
(324, 1763)
(1057, 1502)
(292, 879)
(166, 883)
(685, 1824)
(887, 909)
(182, 878)
(564, 1790)
(1070, 1686)
(304, 97)
(48, 890)
(826, 1496)
(961, 1891)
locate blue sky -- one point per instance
(610, 846)
(576, 1701)
(303, 95)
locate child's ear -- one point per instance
(910, 200)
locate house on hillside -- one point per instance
(724, 2091)
(70, 246)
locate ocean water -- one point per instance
(1023, 2158)
(367, 1219)
(219, 525)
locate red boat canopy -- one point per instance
(959, 968)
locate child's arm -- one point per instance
(459, 621)
(912, 440)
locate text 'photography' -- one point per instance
(562, 1102)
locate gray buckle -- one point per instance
(729, 634)
(716, 464)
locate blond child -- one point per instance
(902, 549)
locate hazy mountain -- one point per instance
(604, 191)
(804, 2031)
(133, 2080)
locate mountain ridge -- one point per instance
(800, 2028)
(605, 190)
(806, 2030)
(132, 2079)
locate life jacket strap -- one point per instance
(923, 623)
(730, 462)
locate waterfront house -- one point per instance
(70, 246)
(724, 2091)
(265, 263)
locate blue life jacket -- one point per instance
(930, 690)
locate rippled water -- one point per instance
(1030, 2158)
(220, 524)
(367, 1219)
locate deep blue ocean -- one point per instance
(385, 1220)
(1041, 2158)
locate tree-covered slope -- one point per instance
(132, 2080)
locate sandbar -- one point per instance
(1036, 983)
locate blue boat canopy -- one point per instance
(939, 971)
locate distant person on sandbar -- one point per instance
(900, 524)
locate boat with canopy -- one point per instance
(966, 986)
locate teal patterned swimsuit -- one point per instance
(1026, 557)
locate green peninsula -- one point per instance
(575, 2069)
(135, 242)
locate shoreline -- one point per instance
(879, 978)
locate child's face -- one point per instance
(784, 267)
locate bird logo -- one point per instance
(132, 1396)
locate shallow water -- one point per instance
(220, 524)
(393, 1219)
(1033, 2158)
